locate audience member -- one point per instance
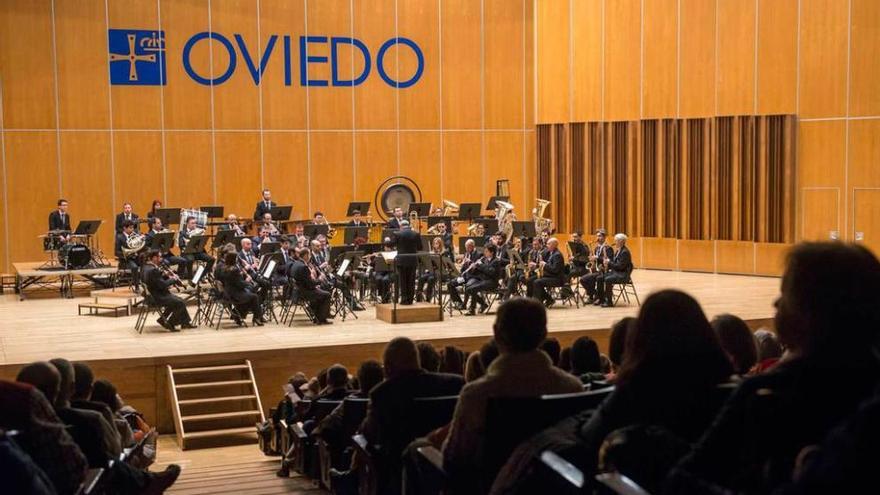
(617, 343)
(642, 453)
(19, 472)
(737, 341)
(769, 350)
(586, 363)
(452, 360)
(551, 347)
(827, 316)
(488, 353)
(332, 427)
(82, 399)
(428, 357)
(104, 392)
(473, 368)
(521, 370)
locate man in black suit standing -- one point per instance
(126, 215)
(264, 206)
(553, 264)
(409, 242)
(307, 286)
(617, 269)
(356, 219)
(395, 221)
(59, 219)
(174, 309)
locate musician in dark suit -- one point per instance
(487, 271)
(250, 262)
(617, 269)
(282, 271)
(308, 289)
(553, 264)
(59, 219)
(174, 309)
(238, 288)
(232, 224)
(522, 247)
(168, 259)
(409, 242)
(356, 219)
(397, 218)
(183, 239)
(578, 263)
(590, 281)
(128, 262)
(126, 215)
(264, 206)
(470, 256)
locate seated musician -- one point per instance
(238, 287)
(324, 268)
(487, 271)
(250, 263)
(425, 289)
(552, 263)
(518, 276)
(184, 238)
(232, 224)
(617, 270)
(127, 262)
(446, 236)
(308, 287)
(394, 221)
(59, 220)
(500, 245)
(126, 215)
(356, 219)
(155, 206)
(578, 264)
(299, 240)
(470, 256)
(264, 206)
(383, 279)
(325, 246)
(282, 271)
(157, 282)
(168, 259)
(590, 281)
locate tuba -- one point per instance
(504, 216)
(133, 244)
(542, 223)
(449, 208)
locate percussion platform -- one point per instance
(414, 313)
(33, 276)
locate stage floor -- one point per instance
(39, 329)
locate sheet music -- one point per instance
(389, 256)
(343, 266)
(270, 267)
(198, 275)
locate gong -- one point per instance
(396, 192)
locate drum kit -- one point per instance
(71, 252)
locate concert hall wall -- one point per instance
(67, 132)
(631, 61)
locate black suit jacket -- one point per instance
(409, 242)
(261, 209)
(490, 271)
(156, 283)
(554, 264)
(121, 241)
(352, 223)
(120, 218)
(303, 276)
(621, 261)
(393, 223)
(235, 285)
(56, 223)
(91, 435)
(389, 422)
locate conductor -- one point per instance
(409, 242)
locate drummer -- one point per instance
(59, 220)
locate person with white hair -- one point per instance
(617, 269)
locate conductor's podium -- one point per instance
(414, 313)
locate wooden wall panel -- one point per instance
(770, 258)
(82, 74)
(286, 171)
(33, 190)
(504, 156)
(375, 102)
(86, 181)
(189, 169)
(866, 218)
(820, 214)
(823, 58)
(329, 107)
(586, 60)
(697, 65)
(864, 153)
(375, 161)
(284, 107)
(138, 171)
(187, 104)
(26, 58)
(461, 64)
(659, 253)
(659, 46)
(822, 153)
(331, 173)
(237, 173)
(529, 63)
(864, 99)
(777, 56)
(736, 57)
(135, 107)
(503, 39)
(530, 185)
(420, 160)
(236, 101)
(696, 256)
(552, 61)
(462, 166)
(420, 105)
(735, 256)
(622, 59)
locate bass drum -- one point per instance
(396, 192)
(75, 256)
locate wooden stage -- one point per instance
(39, 329)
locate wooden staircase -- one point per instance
(214, 401)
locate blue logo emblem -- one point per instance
(137, 57)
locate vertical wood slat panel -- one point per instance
(577, 172)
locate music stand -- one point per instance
(312, 231)
(335, 251)
(421, 209)
(87, 227)
(516, 259)
(578, 251)
(195, 245)
(469, 211)
(371, 248)
(383, 266)
(362, 206)
(274, 259)
(168, 215)
(281, 213)
(479, 241)
(449, 266)
(490, 225)
(197, 276)
(213, 211)
(352, 233)
(491, 205)
(428, 240)
(222, 238)
(269, 247)
(351, 257)
(432, 221)
(162, 242)
(389, 234)
(524, 228)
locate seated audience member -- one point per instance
(617, 344)
(20, 474)
(673, 365)
(28, 409)
(478, 362)
(552, 348)
(737, 341)
(827, 316)
(331, 428)
(83, 386)
(452, 360)
(769, 350)
(642, 453)
(429, 358)
(293, 394)
(388, 423)
(129, 422)
(586, 363)
(521, 370)
(565, 359)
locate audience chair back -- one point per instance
(355, 411)
(432, 413)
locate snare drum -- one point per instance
(75, 256)
(52, 242)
